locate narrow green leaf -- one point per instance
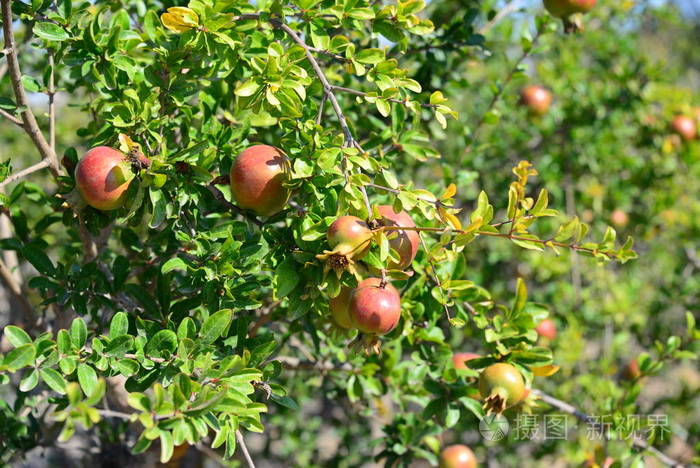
(119, 325)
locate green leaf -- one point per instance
(166, 446)
(16, 336)
(54, 380)
(78, 333)
(120, 345)
(520, 297)
(87, 379)
(29, 381)
(159, 208)
(119, 325)
(127, 367)
(175, 263)
(50, 31)
(163, 344)
(286, 277)
(20, 357)
(370, 56)
(39, 260)
(247, 89)
(63, 341)
(215, 325)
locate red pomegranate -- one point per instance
(404, 242)
(536, 98)
(257, 178)
(375, 307)
(102, 177)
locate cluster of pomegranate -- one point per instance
(374, 306)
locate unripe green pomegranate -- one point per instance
(350, 235)
(375, 307)
(340, 308)
(257, 178)
(564, 8)
(457, 456)
(502, 386)
(102, 177)
(404, 242)
(536, 98)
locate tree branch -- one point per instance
(26, 171)
(52, 105)
(581, 416)
(222, 200)
(31, 127)
(11, 118)
(16, 290)
(241, 443)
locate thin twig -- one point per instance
(293, 363)
(31, 127)
(219, 196)
(581, 416)
(356, 92)
(505, 11)
(319, 117)
(26, 171)
(509, 236)
(52, 104)
(327, 88)
(11, 118)
(246, 454)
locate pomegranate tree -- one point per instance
(102, 177)
(257, 179)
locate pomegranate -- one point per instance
(350, 235)
(375, 307)
(339, 307)
(536, 98)
(257, 178)
(102, 177)
(502, 385)
(684, 127)
(619, 218)
(564, 8)
(403, 242)
(457, 456)
(547, 329)
(459, 360)
(631, 370)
